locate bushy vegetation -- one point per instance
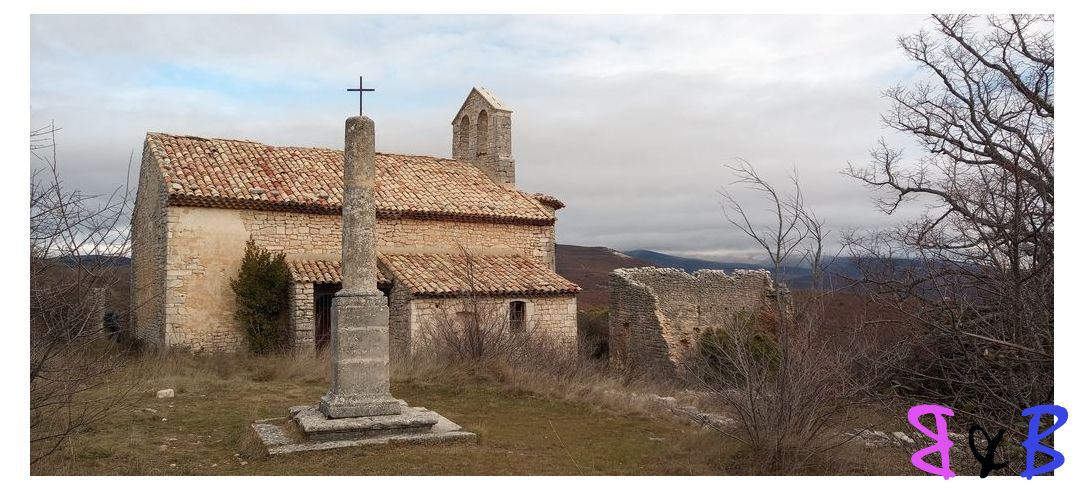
(593, 328)
(261, 288)
(720, 347)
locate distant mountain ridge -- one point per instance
(839, 271)
(796, 277)
(96, 260)
(687, 263)
(589, 268)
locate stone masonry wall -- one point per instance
(553, 316)
(205, 247)
(302, 318)
(532, 241)
(657, 315)
(147, 311)
(399, 322)
(482, 135)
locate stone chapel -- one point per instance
(200, 199)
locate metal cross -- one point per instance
(360, 91)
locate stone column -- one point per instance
(359, 268)
(359, 329)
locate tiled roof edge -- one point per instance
(307, 208)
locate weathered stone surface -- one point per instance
(359, 268)
(149, 265)
(359, 320)
(359, 349)
(166, 393)
(277, 441)
(319, 427)
(307, 429)
(553, 316)
(657, 315)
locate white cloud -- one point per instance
(629, 120)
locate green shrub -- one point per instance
(720, 347)
(261, 288)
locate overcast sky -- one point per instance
(628, 120)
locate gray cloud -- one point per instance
(629, 120)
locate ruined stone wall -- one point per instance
(205, 247)
(553, 316)
(657, 315)
(147, 312)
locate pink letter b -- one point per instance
(942, 442)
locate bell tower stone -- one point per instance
(482, 136)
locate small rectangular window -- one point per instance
(517, 316)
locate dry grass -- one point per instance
(529, 424)
(207, 423)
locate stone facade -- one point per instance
(532, 241)
(148, 284)
(657, 315)
(188, 239)
(553, 316)
(206, 246)
(399, 321)
(302, 317)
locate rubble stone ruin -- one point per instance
(358, 408)
(658, 314)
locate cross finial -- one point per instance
(360, 91)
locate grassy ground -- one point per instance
(205, 430)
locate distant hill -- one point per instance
(795, 277)
(687, 264)
(839, 271)
(97, 260)
(588, 267)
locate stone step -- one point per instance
(318, 427)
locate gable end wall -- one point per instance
(147, 314)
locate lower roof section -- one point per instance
(449, 274)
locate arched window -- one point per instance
(517, 316)
(463, 139)
(482, 134)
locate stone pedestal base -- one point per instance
(308, 429)
(318, 427)
(359, 346)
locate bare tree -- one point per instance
(75, 240)
(475, 329)
(792, 388)
(979, 280)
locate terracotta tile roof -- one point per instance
(225, 173)
(548, 200)
(440, 274)
(323, 272)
